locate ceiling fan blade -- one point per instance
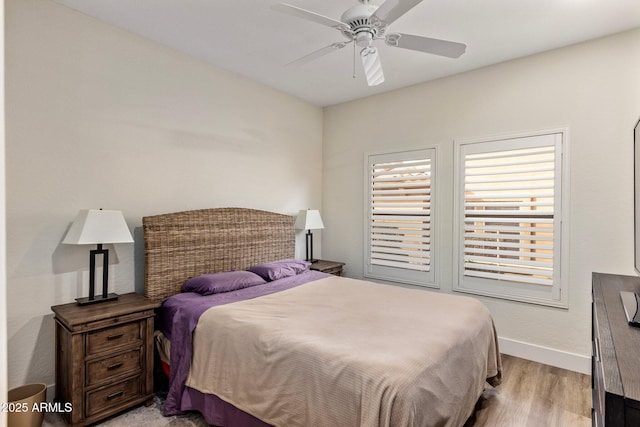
(425, 44)
(391, 10)
(372, 66)
(308, 15)
(318, 53)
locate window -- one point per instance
(398, 238)
(509, 218)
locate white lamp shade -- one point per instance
(308, 219)
(95, 226)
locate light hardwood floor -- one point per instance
(535, 395)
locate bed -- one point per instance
(304, 348)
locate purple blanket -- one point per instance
(179, 316)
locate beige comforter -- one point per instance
(344, 352)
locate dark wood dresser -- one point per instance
(104, 357)
(616, 354)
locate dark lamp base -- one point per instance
(96, 299)
(312, 260)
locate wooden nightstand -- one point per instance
(104, 357)
(330, 267)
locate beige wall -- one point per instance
(100, 118)
(591, 88)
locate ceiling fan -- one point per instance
(366, 22)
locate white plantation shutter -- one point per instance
(509, 218)
(398, 226)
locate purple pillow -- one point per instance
(224, 281)
(280, 269)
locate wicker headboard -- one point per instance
(186, 244)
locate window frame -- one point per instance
(555, 295)
(396, 274)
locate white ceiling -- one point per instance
(248, 38)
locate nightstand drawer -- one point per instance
(99, 371)
(104, 340)
(108, 397)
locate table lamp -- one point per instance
(97, 226)
(309, 220)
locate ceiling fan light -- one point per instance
(372, 66)
(376, 79)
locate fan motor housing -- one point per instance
(361, 28)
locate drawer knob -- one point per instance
(114, 337)
(114, 366)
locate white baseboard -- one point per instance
(548, 356)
